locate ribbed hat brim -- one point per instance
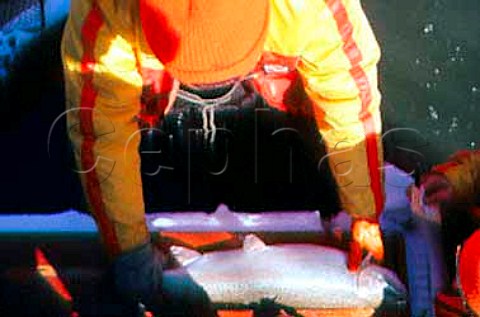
(206, 41)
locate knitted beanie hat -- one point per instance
(205, 41)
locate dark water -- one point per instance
(429, 72)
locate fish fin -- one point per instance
(184, 256)
(253, 243)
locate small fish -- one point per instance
(296, 275)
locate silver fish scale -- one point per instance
(298, 275)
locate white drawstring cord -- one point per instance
(208, 105)
(213, 127)
(207, 122)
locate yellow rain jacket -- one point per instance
(106, 56)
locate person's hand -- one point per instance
(365, 236)
(139, 276)
(368, 235)
(437, 190)
(138, 273)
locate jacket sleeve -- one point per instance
(339, 55)
(463, 172)
(103, 88)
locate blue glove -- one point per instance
(138, 275)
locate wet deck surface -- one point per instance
(428, 72)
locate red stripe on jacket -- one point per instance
(93, 22)
(354, 55)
